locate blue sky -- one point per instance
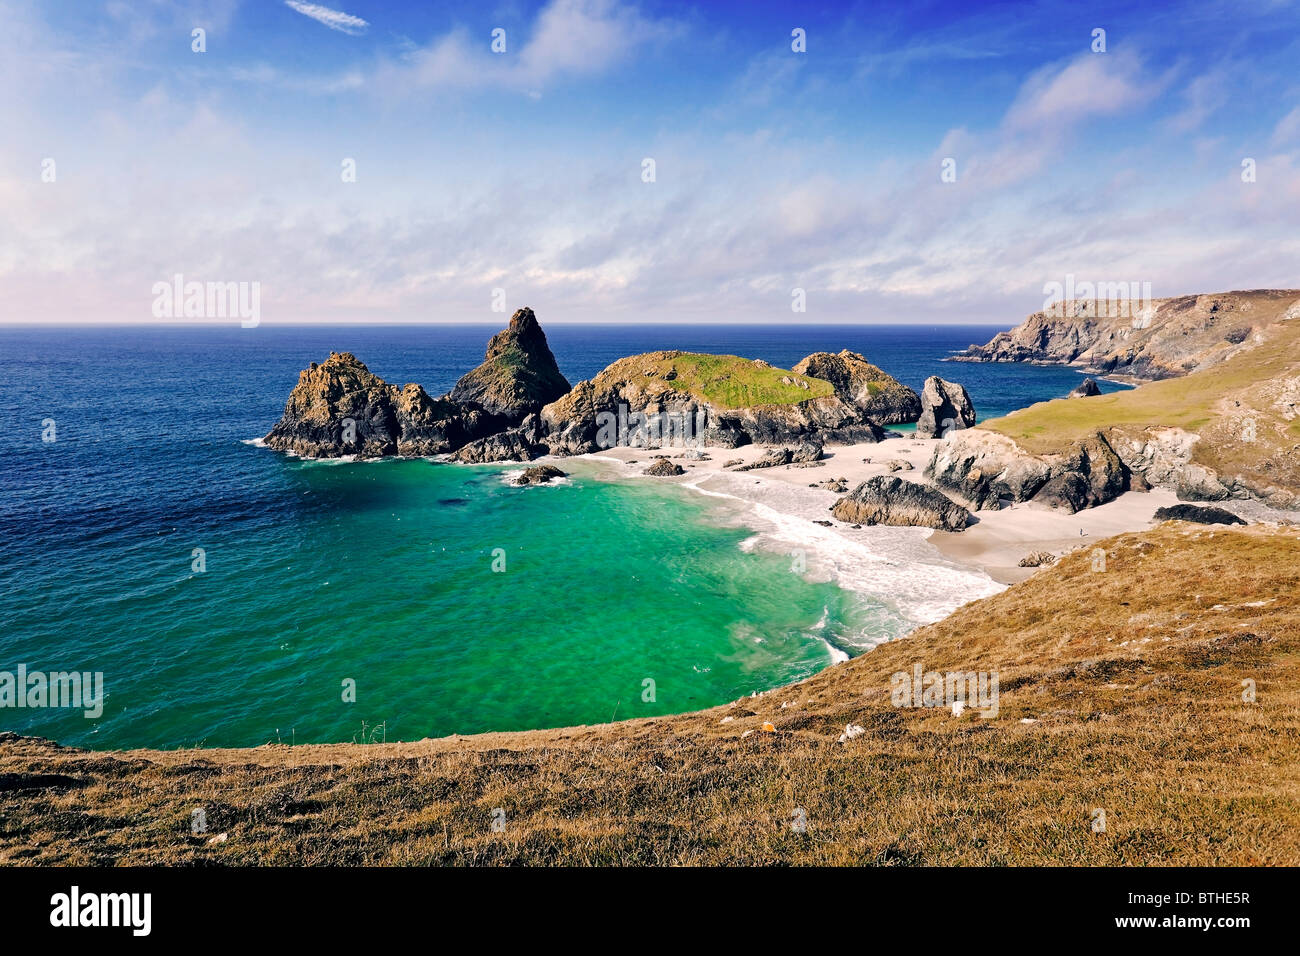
(522, 170)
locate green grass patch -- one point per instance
(729, 381)
(1186, 402)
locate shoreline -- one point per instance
(992, 546)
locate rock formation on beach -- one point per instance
(892, 501)
(1086, 389)
(1197, 514)
(985, 469)
(945, 407)
(1142, 339)
(663, 468)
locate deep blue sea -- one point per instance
(314, 574)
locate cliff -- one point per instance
(1135, 339)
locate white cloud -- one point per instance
(1288, 128)
(334, 19)
(570, 38)
(1092, 84)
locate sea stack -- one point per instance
(945, 406)
(518, 375)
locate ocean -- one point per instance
(233, 596)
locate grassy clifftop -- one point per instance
(724, 381)
(1246, 412)
(1121, 691)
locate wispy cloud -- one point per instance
(570, 38)
(334, 19)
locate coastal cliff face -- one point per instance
(1221, 421)
(1155, 339)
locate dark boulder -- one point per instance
(892, 501)
(1198, 514)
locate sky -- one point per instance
(492, 180)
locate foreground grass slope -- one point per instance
(1132, 678)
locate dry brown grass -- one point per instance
(1133, 676)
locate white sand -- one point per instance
(785, 507)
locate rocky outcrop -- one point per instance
(513, 445)
(986, 468)
(339, 407)
(945, 407)
(518, 375)
(879, 396)
(667, 399)
(1111, 333)
(1197, 514)
(1086, 389)
(1163, 456)
(540, 475)
(892, 501)
(663, 468)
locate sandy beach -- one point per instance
(992, 545)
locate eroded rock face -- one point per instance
(1163, 456)
(985, 468)
(340, 407)
(945, 407)
(518, 375)
(892, 501)
(879, 396)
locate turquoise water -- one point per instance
(320, 572)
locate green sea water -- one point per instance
(456, 602)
